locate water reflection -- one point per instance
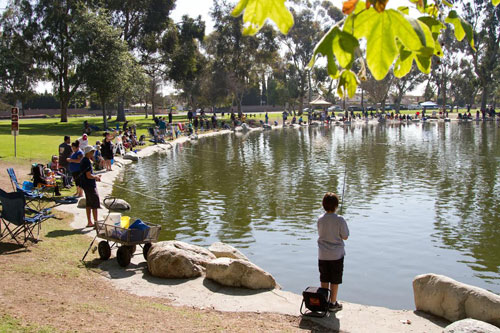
(418, 198)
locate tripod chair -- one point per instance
(13, 218)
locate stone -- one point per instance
(131, 156)
(177, 260)
(239, 273)
(118, 204)
(81, 203)
(222, 250)
(447, 298)
(471, 326)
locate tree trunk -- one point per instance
(104, 117)
(120, 113)
(484, 97)
(153, 93)
(64, 109)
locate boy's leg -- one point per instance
(334, 292)
(89, 220)
(94, 213)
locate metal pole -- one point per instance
(15, 145)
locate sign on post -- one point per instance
(15, 126)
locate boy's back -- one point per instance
(332, 230)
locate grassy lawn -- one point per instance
(39, 139)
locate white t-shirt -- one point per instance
(332, 228)
(83, 143)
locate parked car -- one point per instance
(334, 108)
(355, 108)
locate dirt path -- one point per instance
(21, 168)
(46, 285)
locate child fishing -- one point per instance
(332, 232)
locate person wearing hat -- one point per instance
(88, 183)
(84, 141)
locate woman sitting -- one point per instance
(59, 171)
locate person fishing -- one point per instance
(332, 232)
(88, 183)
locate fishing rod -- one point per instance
(345, 176)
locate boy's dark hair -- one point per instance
(330, 202)
(66, 138)
(76, 144)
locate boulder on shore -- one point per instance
(223, 250)
(118, 204)
(177, 260)
(239, 273)
(447, 298)
(81, 203)
(471, 326)
(132, 156)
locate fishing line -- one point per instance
(136, 192)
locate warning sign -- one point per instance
(15, 121)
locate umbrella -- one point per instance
(429, 104)
(320, 102)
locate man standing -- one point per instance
(65, 152)
(88, 183)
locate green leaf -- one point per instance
(403, 63)
(325, 48)
(381, 31)
(447, 3)
(348, 81)
(462, 28)
(495, 2)
(256, 12)
(344, 46)
(435, 27)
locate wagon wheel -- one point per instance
(123, 256)
(104, 250)
(145, 250)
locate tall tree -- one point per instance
(299, 44)
(485, 19)
(106, 61)
(18, 69)
(405, 84)
(56, 36)
(378, 90)
(240, 59)
(143, 24)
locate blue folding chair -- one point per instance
(13, 217)
(32, 195)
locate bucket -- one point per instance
(125, 222)
(114, 218)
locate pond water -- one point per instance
(418, 198)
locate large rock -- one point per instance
(222, 250)
(175, 260)
(471, 326)
(239, 273)
(81, 203)
(131, 156)
(445, 297)
(118, 204)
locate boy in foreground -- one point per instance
(332, 231)
(89, 185)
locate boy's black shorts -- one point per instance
(91, 197)
(331, 270)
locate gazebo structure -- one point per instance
(320, 102)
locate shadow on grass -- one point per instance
(64, 233)
(330, 323)
(12, 248)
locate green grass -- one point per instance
(9, 324)
(39, 139)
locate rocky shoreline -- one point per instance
(203, 293)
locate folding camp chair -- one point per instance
(33, 196)
(43, 183)
(13, 218)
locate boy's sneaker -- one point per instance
(334, 307)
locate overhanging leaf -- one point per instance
(348, 82)
(344, 46)
(495, 2)
(462, 28)
(256, 12)
(403, 63)
(349, 6)
(325, 48)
